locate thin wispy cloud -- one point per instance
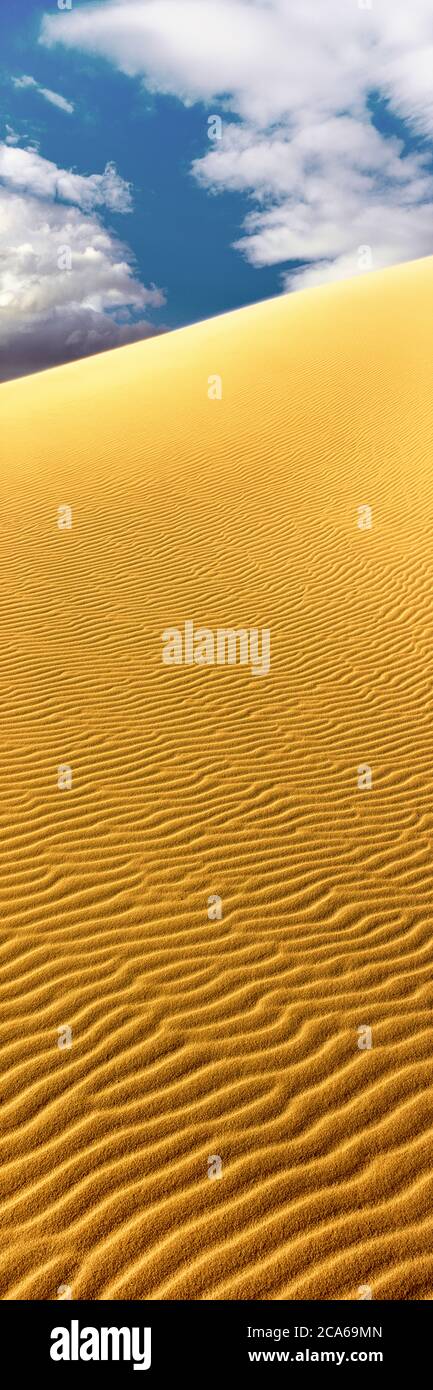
(53, 97)
(11, 137)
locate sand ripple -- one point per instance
(236, 1037)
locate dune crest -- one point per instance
(216, 944)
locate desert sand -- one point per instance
(197, 1042)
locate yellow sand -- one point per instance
(237, 1037)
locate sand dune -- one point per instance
(234, 1038)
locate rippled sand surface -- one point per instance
(231, 1038)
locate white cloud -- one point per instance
(11, 137)
(270, 57)
(53, 97)
(51, 313)
(298, 76)
(26, 171)
(198, 49)
(56, 99)
(322, 194)
(24, 82)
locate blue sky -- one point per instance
(181, 237)
(322, 153)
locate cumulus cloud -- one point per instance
(26, 171)
(298, 76)
(324, 193)
(67, 284)
(53, 97)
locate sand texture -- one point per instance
(233, 1038)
